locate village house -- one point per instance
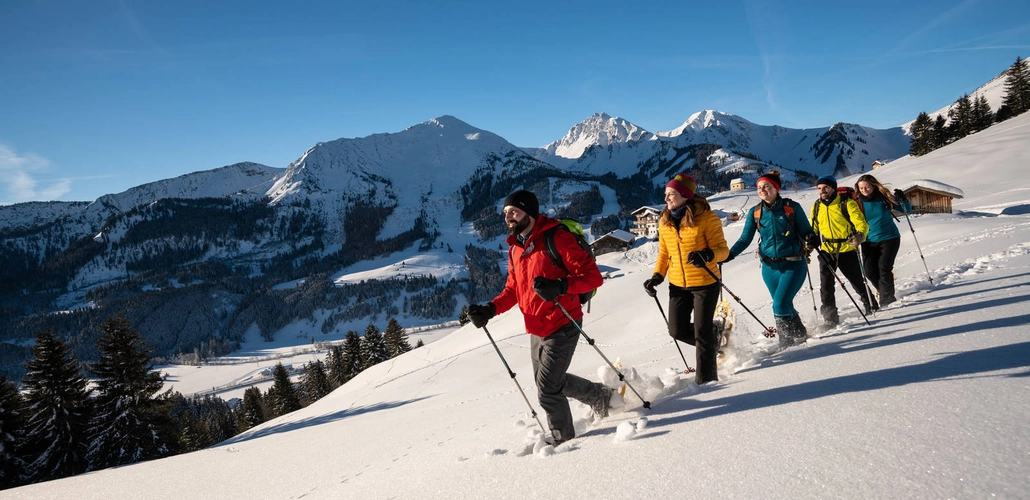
(737, 184)
(615, 241)
(646, 224)
(931, 197)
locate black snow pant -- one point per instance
(849, 266)
(700, 301)
(551, 356)
(878, 259)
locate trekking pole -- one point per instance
(622, 378)
(768, 332)
(811, 289)
(513, 379)
(836, 264)
(677, 344)
(917, 248)
(853, 301)
(865, 280)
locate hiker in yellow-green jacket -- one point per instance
(840, 227)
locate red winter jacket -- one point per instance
(531, 260)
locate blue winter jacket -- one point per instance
(878, 214)
(779, 238)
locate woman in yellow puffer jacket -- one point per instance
(689, 239)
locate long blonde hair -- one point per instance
(886, 193)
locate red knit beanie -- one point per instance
(684, 184)
(773, 177)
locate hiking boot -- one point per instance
(600, 408)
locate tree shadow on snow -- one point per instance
(319, 420)
(953, 365)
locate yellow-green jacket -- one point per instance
(829, 223)
(674, 246)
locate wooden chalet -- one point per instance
(615, 241)
(931, 197)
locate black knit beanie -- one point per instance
(525, 201)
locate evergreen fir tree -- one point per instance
(252, 410)
(193, 435)
(314, 383)
(373, 348)
(396, 339)
(336, 366)
(217, 418)
(352, 360)
(419, 344)
(1017, 89)
(12, 435)
(57, 411)
(939, 137)
(921, 136)
(282, 397)
(983, 116)
(961, 118)
(127, 419)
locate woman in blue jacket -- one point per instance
(881, 245)
(783, 228)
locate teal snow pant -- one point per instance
(784, 279)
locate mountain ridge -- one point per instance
(231, 237)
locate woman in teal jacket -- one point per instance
(881, 245)
(782, 227)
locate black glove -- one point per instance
(549, 289)
(700, 257)
(856, 239)
(481, 314)
(899, 195)
(649, 284)
(812, 242)
(727, 259)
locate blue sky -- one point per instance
(100, 96)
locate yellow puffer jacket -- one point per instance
(829, 223)
(675, 244)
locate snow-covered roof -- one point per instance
(940, 187)
(620, 235)
(738, 179)
(646, 208)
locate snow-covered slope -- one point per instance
(418, 170)
(927, 402)
(247, 180)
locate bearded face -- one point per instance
(827, 192)
(516, 219)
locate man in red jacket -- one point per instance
(535, 284)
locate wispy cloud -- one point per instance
(936, 24)
(768, 30)
(18, 178)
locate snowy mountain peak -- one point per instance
(599, 129)
(707, 119)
